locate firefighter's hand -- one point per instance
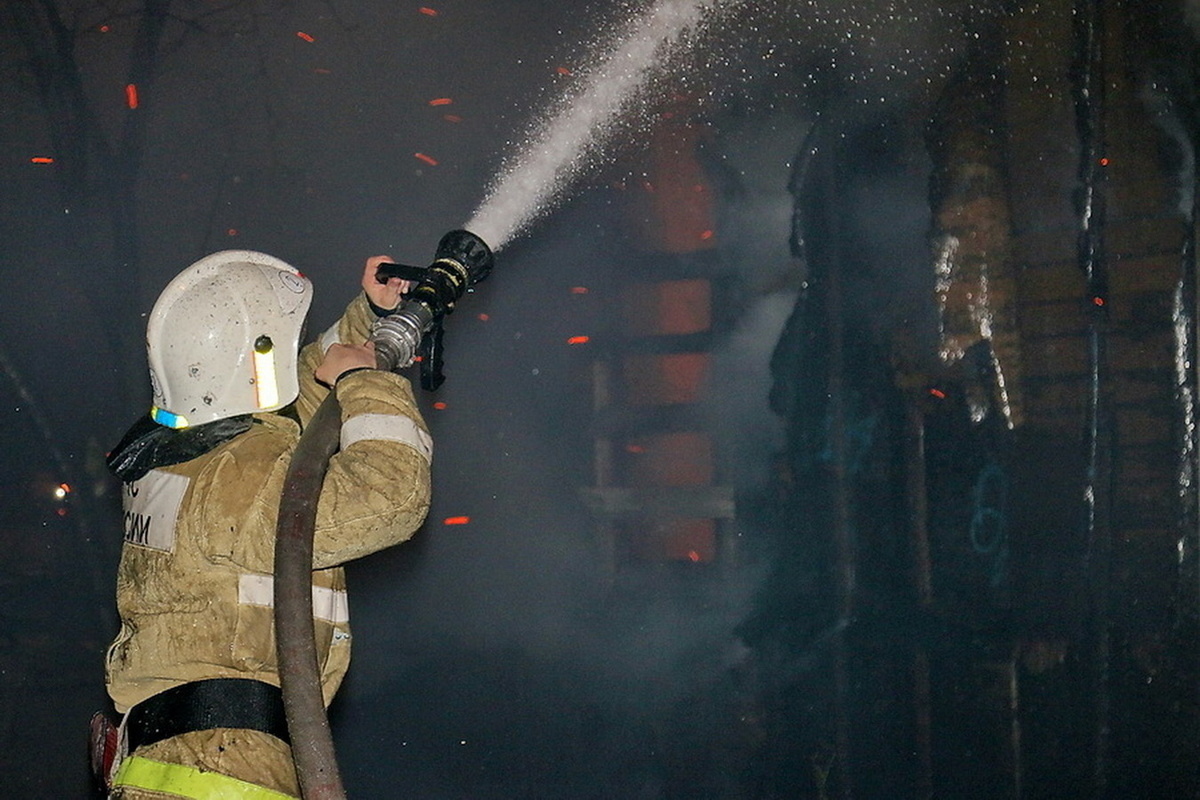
(341, 358)
(383, 295)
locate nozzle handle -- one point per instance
(408, 273)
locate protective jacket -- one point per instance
(195, 585)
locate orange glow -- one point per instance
(232, 232)
(439, 405)
(706, 235)
(131, 95)
(1098, 301)
(667, 307)
(484, 317)
(104, 29)
(305, 36)
(457, 520)
(664, 379)
(579, 290)
(452, 118)
(441, 101)
(673, 459)
(41, 160)
(563, 71)
(938, 393)
(691, 540)
(429, 12)
(1104, 162)
(634, 448)
(430, 160)
(66, 487)
(579, 340)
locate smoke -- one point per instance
(751, 162)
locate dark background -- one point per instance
(501, 658)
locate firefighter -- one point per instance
(193, 668)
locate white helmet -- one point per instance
(223, 338)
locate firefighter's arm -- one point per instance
(353, 329)
(376, 492)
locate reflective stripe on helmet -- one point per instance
(155, 776)
(167, 419)
(389, 428)
(266, 387)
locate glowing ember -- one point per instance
(305, 36)
(430, 160)
(579, 290)
(441, 101)
(938, 393)
(452, 118)
(456, 520)
(578, 340)
(131, 95)
(41, 160)
(429, 12)
(439, 405)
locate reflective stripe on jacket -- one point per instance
(181, 781)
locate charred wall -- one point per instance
(1020, 546)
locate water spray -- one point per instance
(533, 181)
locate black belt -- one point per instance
(204, 705)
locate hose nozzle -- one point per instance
(461, 260)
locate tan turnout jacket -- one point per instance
(194, 586)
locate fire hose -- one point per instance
(462, 260)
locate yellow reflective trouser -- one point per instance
(136, 772)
